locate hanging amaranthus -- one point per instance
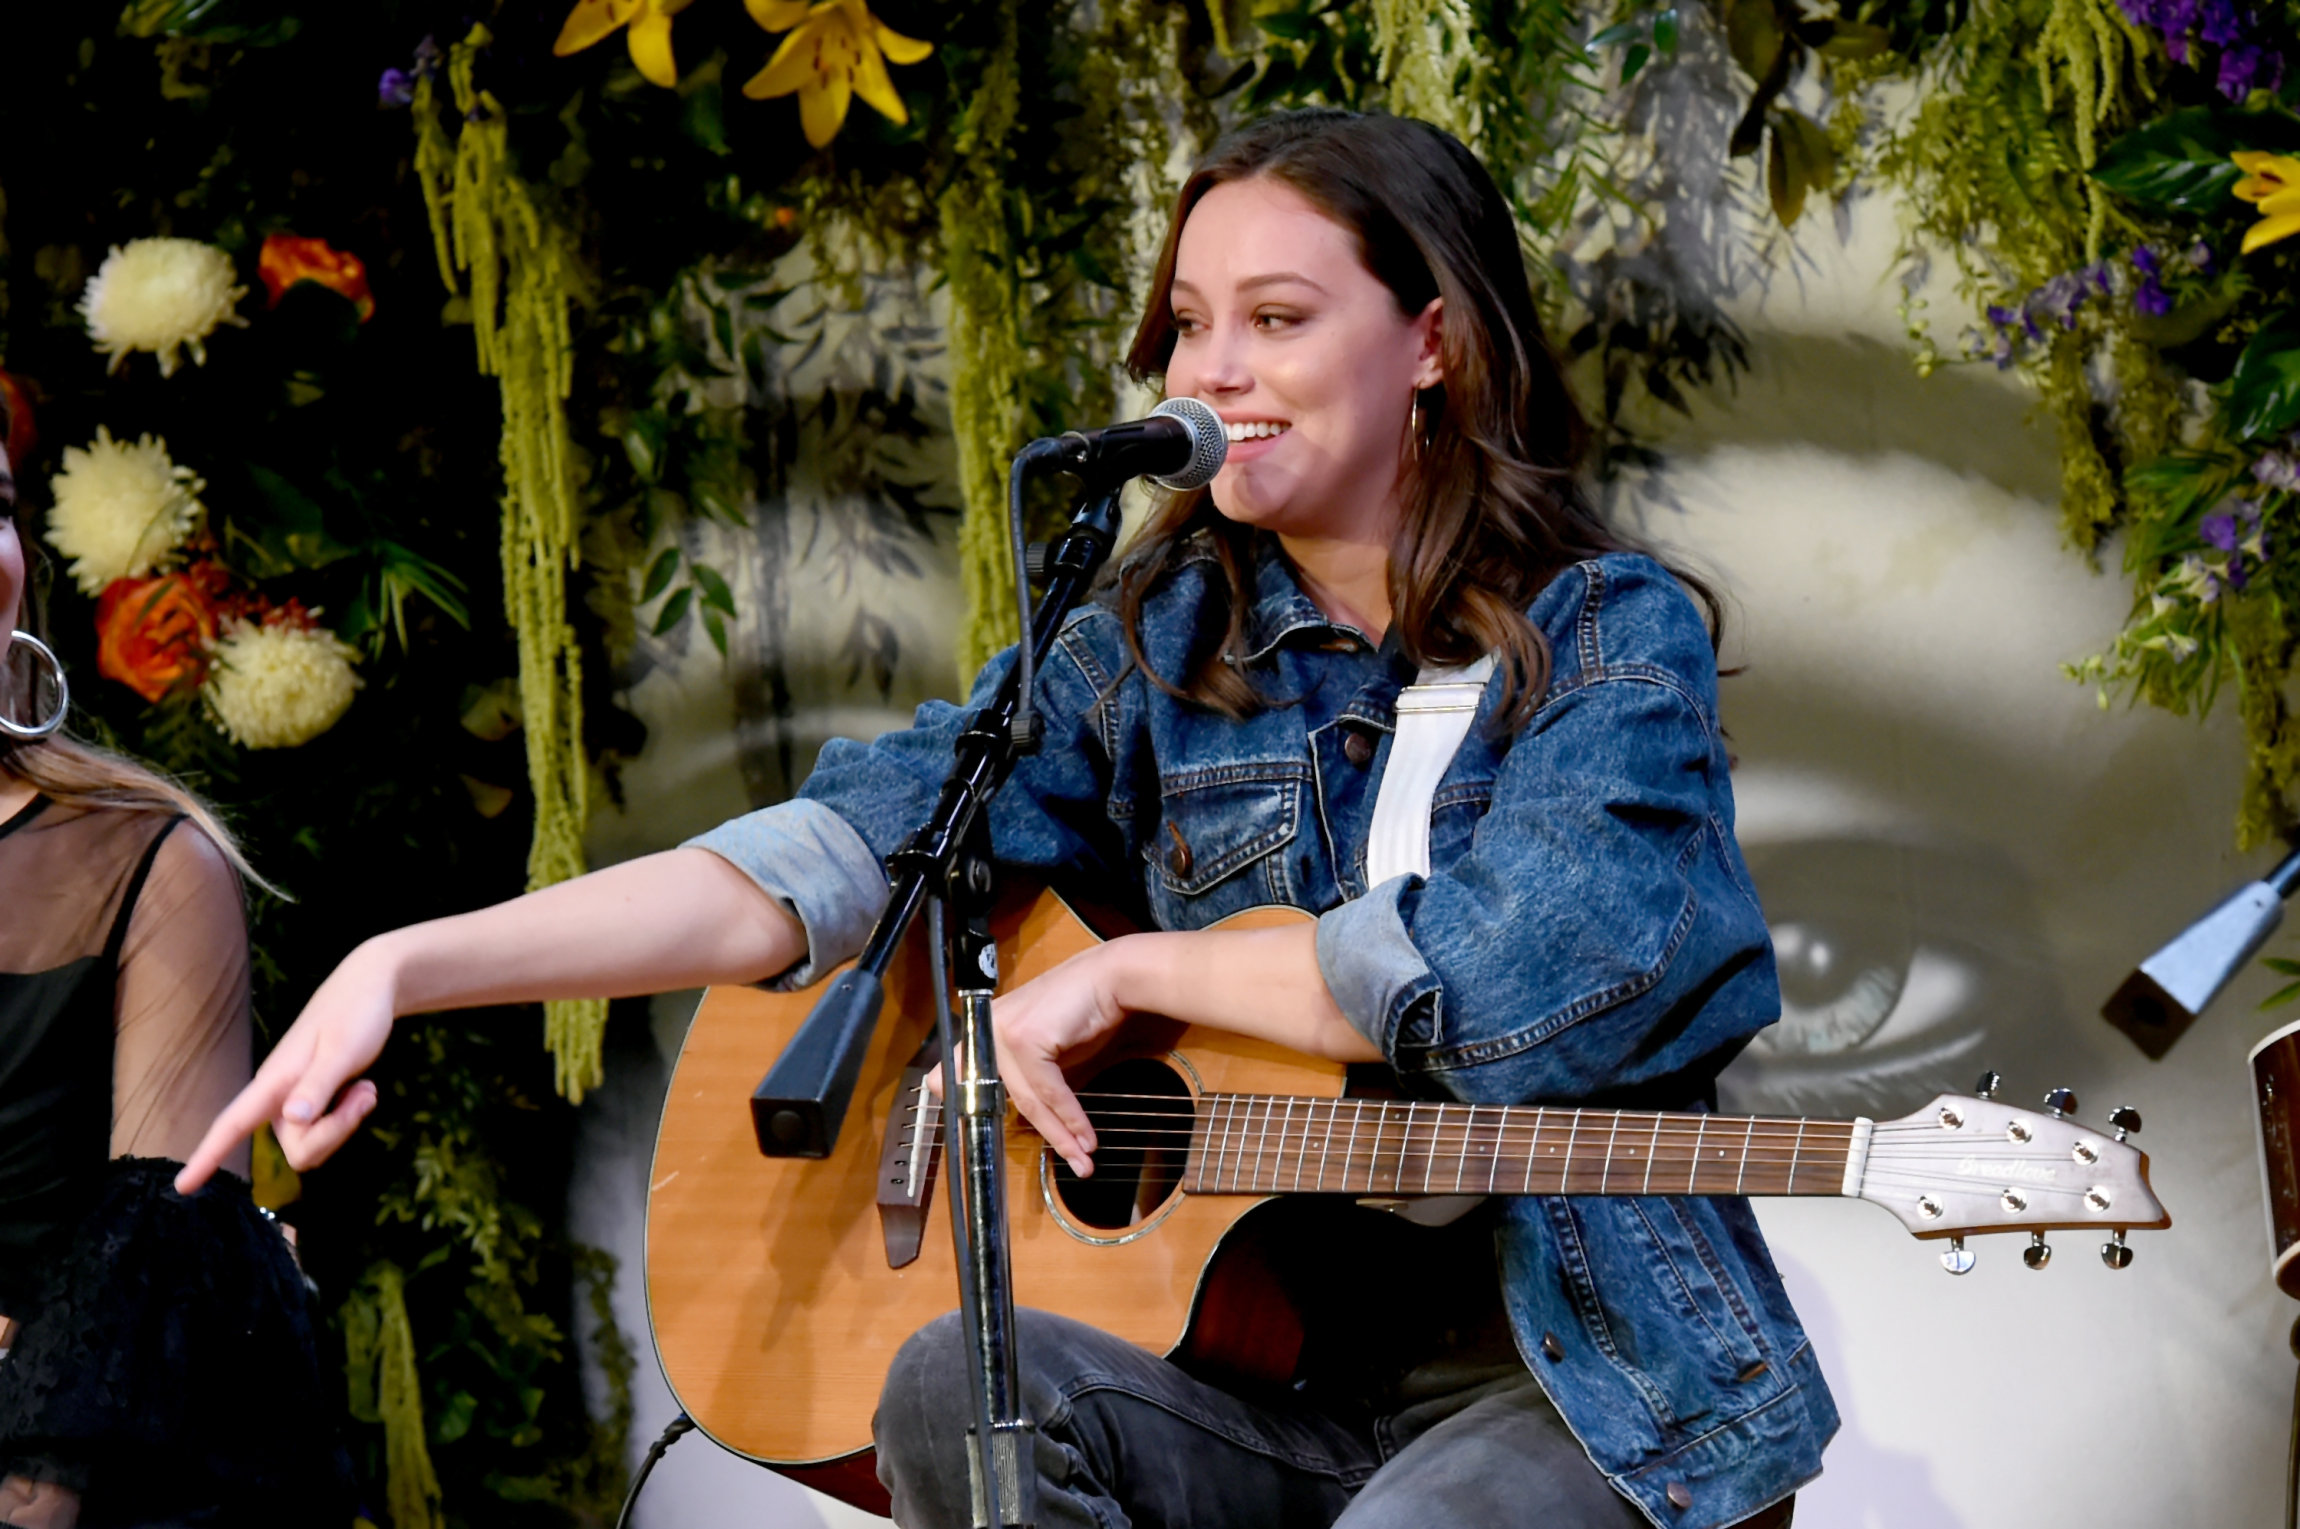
(986, 354)
(1423, 48)
(489, 224)
(379, 1358)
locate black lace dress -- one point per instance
(163, 1369)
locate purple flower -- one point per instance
(2098, 276)
(2238, 68)
(2221, 26)
(2219, 531)
(2200, 256)
(2000, 316)
(396, 88)
(2277, 469)
(2144, 260)
(2236, 574)
(2151, 298)
(2004, 353)
(2176, 48)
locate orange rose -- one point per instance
(17, 437)
(152, 635)
(287, 260)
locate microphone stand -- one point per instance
(946, 866)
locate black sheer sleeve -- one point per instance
(173, 1374)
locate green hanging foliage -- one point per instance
(379, 1362)
(489, 224)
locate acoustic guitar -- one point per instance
(778, 1289)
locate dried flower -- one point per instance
(160, 295)
(121, 511)
(280, 684)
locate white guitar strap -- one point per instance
(1433, 717)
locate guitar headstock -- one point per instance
(1964, 1167)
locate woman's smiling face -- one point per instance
(1301, 349)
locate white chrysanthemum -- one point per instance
(275, 687)
(121, 510)
(160, 295)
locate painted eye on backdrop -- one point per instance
(1905, 969)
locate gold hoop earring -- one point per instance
(1414, 429)
(33, 732)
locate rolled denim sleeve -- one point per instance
(808, 858)
(1370, 962)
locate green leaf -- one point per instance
(1665, 32)
(659, 574)
(2281, 996)
(1614, 36)
(295, 530)
(2180, 163)
(1856, 39)
(1784, 176)
(1634, 60)
(674, 610)
(714, 588)
(2283, 966)
(2264, 390)
(1753, 33)
(716, 626)
(1294, 26)
(644, 437)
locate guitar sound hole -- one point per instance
(1141, 1112)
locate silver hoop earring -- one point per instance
(9, 726)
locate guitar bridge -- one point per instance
(906, 1165)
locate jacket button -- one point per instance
(1358, 748)
(1551, 1348)
(1680, 1496)
(1177, 854)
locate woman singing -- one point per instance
(1347, 293)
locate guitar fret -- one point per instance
(1795, 1148)
(1605, 1170)
(1693, 1172)
(1357, 1119)
(1572, 1140)
(1493, 1165)
(1461, 1159)
(1405, 1140)
(1326, 1138)
(1652, 1151)
(1261, 1145)
(1748, 1129)
(1225, 1174)
(1533, 1148)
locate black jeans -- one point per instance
(1126, 1438)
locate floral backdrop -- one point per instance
(396, 387)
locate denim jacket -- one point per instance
(1588, 931)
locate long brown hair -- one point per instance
(76, 774)
(1493, 504)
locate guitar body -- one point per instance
(774, 1311)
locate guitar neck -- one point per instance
(1276, 1144)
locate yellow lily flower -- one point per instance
(837, 51)
(649, 38)
(2272, 183)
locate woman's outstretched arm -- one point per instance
(684, 918)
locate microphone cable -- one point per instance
(681, 1424)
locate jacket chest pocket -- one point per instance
(1222, 842)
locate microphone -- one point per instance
(1180, 446)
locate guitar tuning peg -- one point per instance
(2114, 1253)
(2060, 1103)
(2126, 1119)
(1986, 1088)
(2037, 1254)
(1957, 1259)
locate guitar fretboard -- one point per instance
(1277, 1144)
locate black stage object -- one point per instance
(948, 868)
(2158, 1003)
